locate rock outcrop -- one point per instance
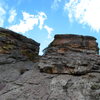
(71, 54)
(17, 54)
(18, 47)
(69, 42)
(20, 78)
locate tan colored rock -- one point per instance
(78, 43)
(71, 54)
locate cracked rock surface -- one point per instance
(33, 85)
(71, 54)
(21, 78)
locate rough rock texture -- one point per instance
(33, 85)
(17, 46)
(20, 79)
(69, 42)
(71, 54)
(17, 54)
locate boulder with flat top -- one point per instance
(71, 54)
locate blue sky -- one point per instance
(42, 19)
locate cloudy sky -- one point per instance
(42, 19)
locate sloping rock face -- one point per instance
(33, 85)
(69, 42)
(20, 79)
(71, 54)
(17, 54)
(17, 46)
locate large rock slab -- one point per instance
(33, 85)
(70, 42)
(71, 54)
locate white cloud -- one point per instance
(27, 23)
(49, 30)
(42, 17)
(85, 12)
(2, 15)
(12, 16)
(55, 4)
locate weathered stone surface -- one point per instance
(20, 78)
(69, 42)
(33, 85)
(16, 46)
(71, 54)
(18, 54)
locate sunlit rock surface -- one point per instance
(69, 42)
(77, 71)
(17, 46)
(71, 54)
(17, 54)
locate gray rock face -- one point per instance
(18, 54)
(71, 54)
(33, 85)
(70, 63)
(77, 75)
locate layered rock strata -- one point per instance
(17, 46)
(20, 78)
(69, 42)
(17, 54)
(71, 54)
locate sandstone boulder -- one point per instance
(71, 54)
(69, 42)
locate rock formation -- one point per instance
(18, 47)
(20, 78)
(17, 54)
(71, 54)
(77, 43)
